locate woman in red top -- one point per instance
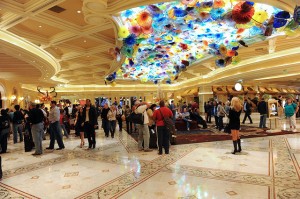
(163, 135)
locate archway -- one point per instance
(2, 96)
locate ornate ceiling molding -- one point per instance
(50, 64)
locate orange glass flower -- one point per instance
(219, 4)
(204, 15)
(147, 30)
(144, 19)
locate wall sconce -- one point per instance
(238, 85)
(21, 98)
(37, 101)
(13, 97)
(4, 98)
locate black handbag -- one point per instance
(227, 129)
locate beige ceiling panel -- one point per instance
(37, 28)
(72, 12)
(108, 33)
(14, 69)
(84, 43)
(22, 1)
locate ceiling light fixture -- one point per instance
(84, 41)
(238, 85)
(40, 26)
(78, 11)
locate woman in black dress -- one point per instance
(234, 123)
(78, 125)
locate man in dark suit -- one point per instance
(90, 122)
(247, 110)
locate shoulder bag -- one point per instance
(168, 123)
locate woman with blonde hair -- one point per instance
(234, 123)
(112, 118)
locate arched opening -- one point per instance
(2, 97)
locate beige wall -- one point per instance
(10, 89)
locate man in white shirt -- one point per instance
(143, 129)
(54, 127)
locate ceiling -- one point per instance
(71, 48)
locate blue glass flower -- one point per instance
(131, 63)
(127, 13)
(283, 15)
(217, 13)
(130, 40)
(214, 46)
(179, 12)
(250, 3)
(255, 30)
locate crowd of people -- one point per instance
(31, 125)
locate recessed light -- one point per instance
(84, 41)
(33, 61)
(78, 11)
(88, 56)
(40, 26)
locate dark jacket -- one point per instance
(18, 117)
(248, 107)
(234, 119)
(36, 116)
(104, 113)
(262, 107)
(4, 121)
(92, 115)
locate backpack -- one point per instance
(5, 123)
(168, 124)
(136, 118)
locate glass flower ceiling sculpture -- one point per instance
(162, 40)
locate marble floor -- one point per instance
(267, 168)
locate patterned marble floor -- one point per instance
(268, 167)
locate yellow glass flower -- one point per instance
(123, 32)
(113, 84)
(260, 16)
(235, 60)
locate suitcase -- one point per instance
(173, 139)
(153, 139)
(28, 143)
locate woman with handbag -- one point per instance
(163, 134)
(234, 123)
